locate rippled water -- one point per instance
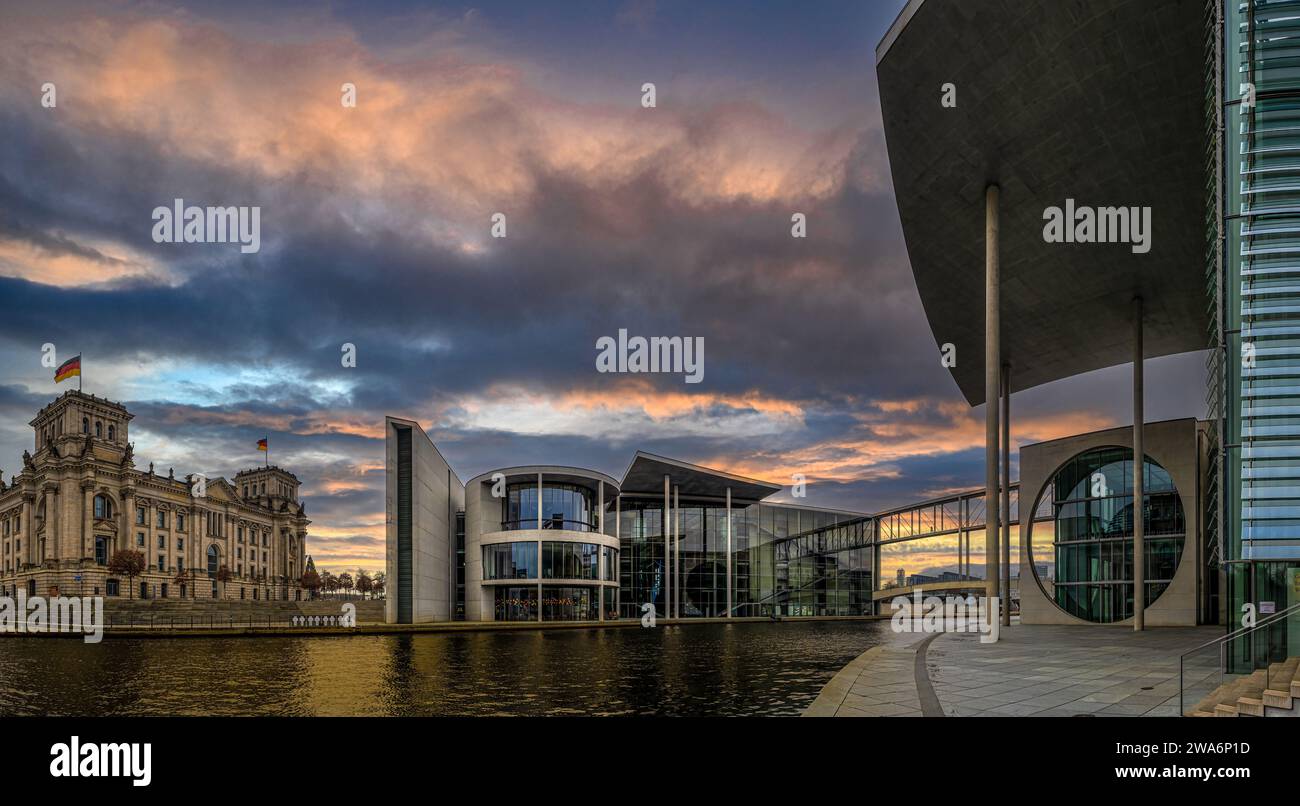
(753, 668)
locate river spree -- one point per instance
(705, 669)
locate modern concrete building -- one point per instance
(522, 520)
(79, 500)
(1050, 112)
(1108, 112)
(425, 504)
(555, 543)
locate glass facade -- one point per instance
(561, 560)
(1255, 270)
(784, 560)
(1092, 505)
(515, 603)
(558, 602)
(564, 506)
(510, 560)
(563, 603)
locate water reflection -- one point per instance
(702, 669)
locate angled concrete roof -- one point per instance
(647, 471)
(1101, 102)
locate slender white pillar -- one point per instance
(728, 552)
(992, 363)
(676, 551)
(539, 546)
(1139, 465)
(600, 556)
(618, 528)
(1006, 495)
(668, 551)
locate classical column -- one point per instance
(728, 552)
(29, 540)
(992, 363)
(124, 539)
(1139, 466)
(88, 517)
(1006, 495)
(50, 544)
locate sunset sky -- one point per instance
(375, 231)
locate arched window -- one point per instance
(212, 560)
(112, 434)
(99, 429)
(103, 507)
(85, 425)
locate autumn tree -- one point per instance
(129, 564)
(311, 581)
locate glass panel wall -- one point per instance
(516, 603)
(563, 603)
(510, 561)
(569, 560)
(762, 583)
(564, 506)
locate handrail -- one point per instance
(1222, 640)
(1238, 633)
(785, 591)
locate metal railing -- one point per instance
(1222, 644)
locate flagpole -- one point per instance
(81, 361)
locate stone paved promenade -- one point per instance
(1033, 671)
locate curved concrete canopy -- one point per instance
(1100, 102)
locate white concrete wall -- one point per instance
(436, 495)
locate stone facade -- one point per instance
(79, 499)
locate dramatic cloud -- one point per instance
(375, 232)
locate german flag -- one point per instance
(68, 369)
(261, 444)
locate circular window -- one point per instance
(1090, 500)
